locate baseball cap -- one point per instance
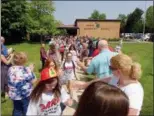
(48, 73)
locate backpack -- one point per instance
(73, 67)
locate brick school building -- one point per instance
(108, 29)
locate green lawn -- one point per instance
(142, 53)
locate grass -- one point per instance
(140, 52)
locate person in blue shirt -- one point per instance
(4, 50)
(100, 64)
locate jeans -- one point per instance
(20, 107)
(63, 106)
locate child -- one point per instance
(47, 96)
(101, 99)
(68, 68)
(74, 52)
(50, 63)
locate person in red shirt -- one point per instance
(96, 51)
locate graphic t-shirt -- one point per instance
(68, 69)
(48, 105)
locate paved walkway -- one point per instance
(70, 110)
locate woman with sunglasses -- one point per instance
(129, 74)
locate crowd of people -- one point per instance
(115, 90)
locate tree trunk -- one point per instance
(28, 36)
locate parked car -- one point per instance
(146, 37)
(152, 37)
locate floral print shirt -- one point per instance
(20, 82)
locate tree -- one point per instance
(96, 15)
(138, 26)
(123, 19)
(150, 17)
(12, 20)
(133, 18)
(40, 19)
(102, 16)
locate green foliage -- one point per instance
(138, 27)
(123, 19)
(97, 15)
(133, 18)
(23, 18)
(12, 19)
(150, 17)
(40, 19)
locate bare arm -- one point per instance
(133, 112)
(4, 60)
(84, 68)
(69, 102)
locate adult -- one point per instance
(101, 99)
(20, 83)
(53, 53)
(62, 48)
(43, 54)
(5, 64)
(90, 47)
(4, 50)
(97, 51)
(84, 52)
(129, 74)
(100, 64)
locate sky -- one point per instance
(68, 11)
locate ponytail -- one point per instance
(135, 72)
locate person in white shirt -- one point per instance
(74, 52)
(47, 96)
(68, 68)
(129, 73)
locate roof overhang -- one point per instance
(67, 27)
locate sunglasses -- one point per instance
(112, 68)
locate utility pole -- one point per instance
(144, 22)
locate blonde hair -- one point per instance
(20, 58)
(127, 66)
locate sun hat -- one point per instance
(48, 73)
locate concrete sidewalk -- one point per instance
(76, 94)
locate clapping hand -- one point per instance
(31, 66)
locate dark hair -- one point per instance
(40, 87)
(101, 99)
(48, 61)
(72, 46)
